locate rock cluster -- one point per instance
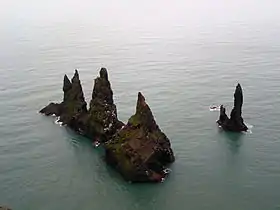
(139, 150)
(235, 123)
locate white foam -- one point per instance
(166, 170)
(249, 131)
(96, 144)
(57, 120)
(249, 126)
(214, 108)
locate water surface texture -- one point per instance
(183, 56)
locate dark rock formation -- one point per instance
(235, 122)
(73, 106)
(103, 119)
(100, 121)
(140, 150)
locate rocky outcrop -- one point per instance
(73, 109)
(100, 121)
(103, 119)
(140, 150)
(235, 123)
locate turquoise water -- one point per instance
(183, 56)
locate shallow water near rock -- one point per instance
(183, 56)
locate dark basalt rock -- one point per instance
(235, 122)
(100, 121)
(140, 150)
(73, 106)
(103, 119)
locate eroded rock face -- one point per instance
(73, 107)
(103, 119)
(140, 150)
(235, 122)
(100, 121)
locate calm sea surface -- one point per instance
(183, 56)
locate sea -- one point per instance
(184, 56)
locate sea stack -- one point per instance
(73, 106)
(103, 119)
(140, 150)
(235, 123)
(100, 121)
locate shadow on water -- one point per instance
(234, 140)
(77, 140)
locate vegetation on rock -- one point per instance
(139, 150)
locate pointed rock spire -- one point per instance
(76, 77)
(103, 111)
(143, 115)
(140, 150)
(103, 73)
(238, 100)
(102, 91)
(235, 122)
(67, 85)
(141, 102)
(73, 103)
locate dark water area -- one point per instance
(183, 56)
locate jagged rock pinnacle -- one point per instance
(67, 85)
(141, 102)
(235, 122)
(103, 73)
(142, 144)
(76, 77)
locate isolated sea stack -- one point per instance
(235, 123)
(140, 150)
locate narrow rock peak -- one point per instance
(141, 102)
(103, 73)
(76, 77)
(66, 83)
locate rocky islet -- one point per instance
(235, 123)
(139, 150)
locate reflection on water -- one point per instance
(234, 140)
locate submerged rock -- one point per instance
(235, 122)
(140, 150)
